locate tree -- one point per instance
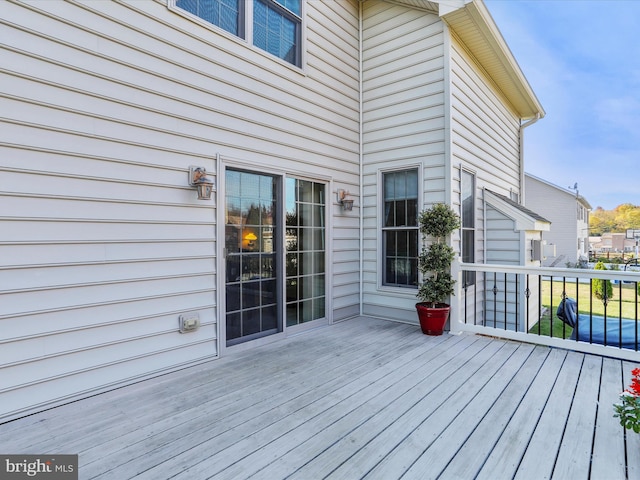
(620, 219)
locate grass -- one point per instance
(624, 303)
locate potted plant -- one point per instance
(434, 263)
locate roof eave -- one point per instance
(524, 221)
(476, 29)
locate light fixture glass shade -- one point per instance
(204, 190)
(347, 205)
(204, 185)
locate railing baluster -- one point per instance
(495, 300)
(577, 327)
(590, 311)
(564, 297)
(506, 303)
(605, 301)
(635, 290)
(465, 286)
(551, 305)
(620, 314)
(517, 302)
(540, 300)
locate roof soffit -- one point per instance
(418, 4)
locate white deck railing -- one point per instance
(521, 303)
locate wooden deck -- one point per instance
(361, 399)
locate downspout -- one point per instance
(361, 156)
(521, 156)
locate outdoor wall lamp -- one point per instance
(251, 239)
(343, 201)
(198, 178)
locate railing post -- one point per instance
(455, 316)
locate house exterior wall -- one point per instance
(569, 232)
(484, 138)
(403, 127)
(105, 106)
(426, 103)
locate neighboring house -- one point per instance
(108, 255)
(568, 212)
(612, 243)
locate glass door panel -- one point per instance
(251, 246)
(305, 245)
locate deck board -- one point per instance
(361, 399)
(451, 442)
(576, 445)
(608, 442)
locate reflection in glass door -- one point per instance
(252, 261)
(305, 245)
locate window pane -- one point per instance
(292, 314)
(276, 31)
(389, 214)
(270, 318)
(293, 5)
(467, 246)
(401, 217)
(403, 248)
(400, 186)
(222, 13)
(390, 244)
(305, 191)
(467, 200)
(412, 212)
(412, 183)
(388, 185)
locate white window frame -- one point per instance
(381, 257)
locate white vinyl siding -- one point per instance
(503, 247)
(105, 106)
(403, 127)
(560, 208)
(485, 132)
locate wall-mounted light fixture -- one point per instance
(343, 201)
(198, 178)
(251, 239)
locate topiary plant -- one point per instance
(602, 289)
(434, 261)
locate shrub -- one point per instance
(602, 289)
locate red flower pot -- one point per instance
(433, 319)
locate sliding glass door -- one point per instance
(264, 252)
(252, 247)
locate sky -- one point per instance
(582, 60)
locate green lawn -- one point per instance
(624, 297)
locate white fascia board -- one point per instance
(448, 6)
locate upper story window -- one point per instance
(226, 14)
(276, 29)
(273, 25)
